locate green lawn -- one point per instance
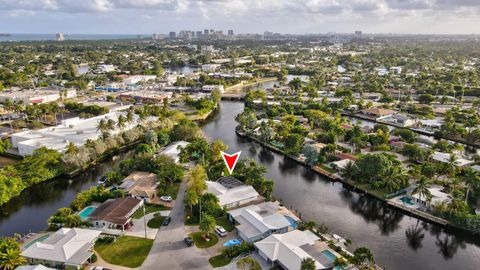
(126, 251)
(169, 190)
(219, 261)
(200, 243)
(225, 223)
(155, 222)
(149, 208)
(326, 168)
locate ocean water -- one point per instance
(45, 37)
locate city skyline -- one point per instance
(243, 16)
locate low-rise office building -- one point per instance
(37, 96)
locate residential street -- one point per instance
(169, 252)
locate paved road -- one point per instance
(169, 252)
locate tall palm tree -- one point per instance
(71, 149)
(191, 198)
(121, 122)
(395, 178)
(422, 189)
(207, 224)
(452, 165)
(129, 116)
(471, 179)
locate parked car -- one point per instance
(166, 221)
(221, 231)
(99, 268)
(166, 198)
(188, 241)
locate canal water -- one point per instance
(398, 241)
(29, 211)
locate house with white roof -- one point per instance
(33, 267)
(438, 196)
(74, 130)
(445, 158)
(65, 249)
(256, 222)
(287, 250)
(173, 150)
(232, 193)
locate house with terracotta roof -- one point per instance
(378, 113)
(140, 185)
(115, 213)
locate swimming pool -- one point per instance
(330, 256)
(232, 242)
(292, 221)
(40, 239)
(86, 212)
(407, 200)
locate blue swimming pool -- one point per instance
(330, 256)
(407, 200)
(86, 212)
(292, 221)
(232, 242)
(39, 239)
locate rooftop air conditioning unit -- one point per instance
(79, 131)
(70, 126)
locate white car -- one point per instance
(166, 198)
(98, 268)
(221, 231)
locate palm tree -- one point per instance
(340, 263)
(452, 165)
(471, 179)
(207, 224)
(191, 198)
(129, 116)
(11, 258)
(395, 178)
(121, 122)
(71, 149)
(422, 188)
(349, 172)
(362, 255)
(308, 263)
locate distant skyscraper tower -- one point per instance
(358, 33)
(59, 37)
(205, 32)
(199, 34)
(230, 33)
(172, 35)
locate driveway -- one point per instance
(169, 252)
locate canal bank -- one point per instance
(398, 241)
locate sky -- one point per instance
(243, 16)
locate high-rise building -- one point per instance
(199, 34)
(172, 35)
(230, 33)
(358, 33)
(158, 36)
(59, 37)
(205, 32)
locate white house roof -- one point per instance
(253, 224)
(227, 195)
(444, 157)
(172, 150)
(287, 248)
(33, 267)
(341, 164)
(438, 196)
(66, 245)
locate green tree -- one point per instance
(207, 224)
(422, 189)
(308, 263)
(363, 256)
(196, 179)
(191, 198)
(472, 180)
(293, 144)
(248, 263)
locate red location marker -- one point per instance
(231, 160)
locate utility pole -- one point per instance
(144, 220)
